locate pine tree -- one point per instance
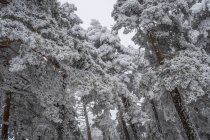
(163, 30)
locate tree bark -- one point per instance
(60, 131)
(39, 138)
(20, 132)
(6, 115)
(126, 104)
(15, 131)
(154, 44)
(105, 136)
(87, 123)
(124, 127)
(156, 116)
(135, 133)
(183, 115)
(60, 126)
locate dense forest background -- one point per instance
(59, 81)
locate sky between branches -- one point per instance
(100, 10)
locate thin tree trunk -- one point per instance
(105, 136)
(156, 116)
(126, 104)
(133, 127)
(121, 119)
(39, 138)
(60, 126)
(183, 115)
(60, 131)
(124, 127)
(20, 132)
(15, 130)
(87, 123)
(154, 44)
(6, 115)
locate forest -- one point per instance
(59, 81)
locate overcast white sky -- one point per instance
(100, 10)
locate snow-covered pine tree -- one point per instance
(117, 61)
(47, 44)
(163, 29)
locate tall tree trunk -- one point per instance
(154, 44)
(6, 115)
(183, 115)
(124, 127)
(20, 131)
(15, 131)
(104, 135)
(39, 138)
(126, 104)
(135, 133)
(87, 123)
(60, 126)
(60, 131)
(156, 116)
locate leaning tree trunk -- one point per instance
(176, 97)
(6, 115)
(87, 123)
(183, 115)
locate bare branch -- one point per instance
(5, 44)
(4, 1)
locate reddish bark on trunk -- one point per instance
(183, 115)
(154, 44)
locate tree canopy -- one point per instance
(59, 81)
